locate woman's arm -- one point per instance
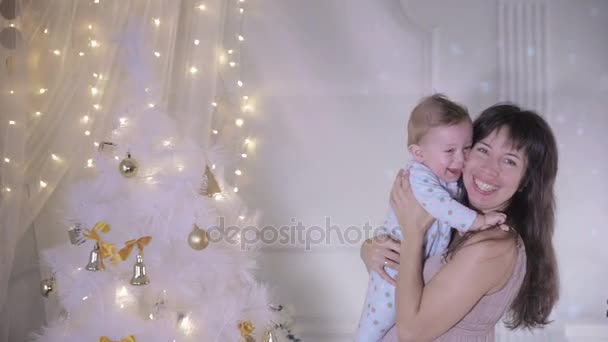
(427, 311)
(380, 252)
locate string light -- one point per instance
(214, 104)
(11, 91)
(85, 119)
(238, 172)
(193, 70)
(239, 83)
(94, 91)
(46, 31)
(241, 38)
(37, 113)
(232, 64)
(239, 122)
(43, 184)
(236, 189)
(42, 90)
(89, 162)
(94, 43)
(90, 27)
(7, 160)
(215, 131)
(241, 10)
(157, 21)
(157, 54)
(11, 122)
(230, 52)
(81, 54)
(7, 189)
(151, 105)
(241, 217)
(96, 106)
(85, 298)
(202, 7)
(87, 133)
(196, 42)
(57, 52)
(244, 155)
(55, 158)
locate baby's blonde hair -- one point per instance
(432, 111)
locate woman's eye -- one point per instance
(482, 150)
(510, 162)
(450, 150)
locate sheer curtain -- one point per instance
(62, 90)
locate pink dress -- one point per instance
(478, 325)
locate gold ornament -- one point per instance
(130, 338)
(139, 273)
(246, 328)
(47, 286)
(124, 253)
(198, 238)
(209, 185)
(128, 167)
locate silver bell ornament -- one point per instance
(139, 272)
(94, 264)
(128, 167)
(198, 238)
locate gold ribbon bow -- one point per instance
(124, 253)
(130, 338)
(106, 250)
(246, 328)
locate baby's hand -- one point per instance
(492, 219)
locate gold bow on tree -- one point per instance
(124, 253)
(130, 338)
(106, 250)
(246, 328)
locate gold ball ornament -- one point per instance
(198, 238)
(128, 167)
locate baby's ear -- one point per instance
(416, 152)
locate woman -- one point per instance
(461, 295)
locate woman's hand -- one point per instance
(412, 217)
(379, 252)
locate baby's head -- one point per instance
(439, 135)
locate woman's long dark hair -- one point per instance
(531, 211)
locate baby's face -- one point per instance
(444, 149)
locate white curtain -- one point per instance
(64, 66)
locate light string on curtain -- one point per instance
(230, 59)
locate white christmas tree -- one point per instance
(144, 263)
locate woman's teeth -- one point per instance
(485, 186)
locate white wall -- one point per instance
(335, 81)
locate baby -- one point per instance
(439, 138)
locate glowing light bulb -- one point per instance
(7, 160)
(85, 298)
(214, 104)
(94, 91)
(180, 168)
(241, 217)
(215, 131)
(212, 166)
(96, 106)
(116, 157)
(11, 122)
(46, 31)
(232, 64)
(123, 121)
(238, 172)
(151, 105)
(85, 119)
(54, 156)
(43, 184)
(247, 141)
(87, 133)
(196, 42)
(193, 70)
(37, 113)
(95, 143)
(244, 155)
(239, 122)
(241, 38)
(90, 27)
(236, 189)
(57, 52)
(157, 21)
(245, 97)
(7, 189)
(89, 162)
(81, 54)
(202, 7)
(241, 10)
(239, 83)
(230, 52)
(157, 54)
(42, 90)
(96, 1)
(94, 43)
(11, 91)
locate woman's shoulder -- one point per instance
(492, 243)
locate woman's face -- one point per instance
(493, 171)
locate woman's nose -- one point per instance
(491, 166)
